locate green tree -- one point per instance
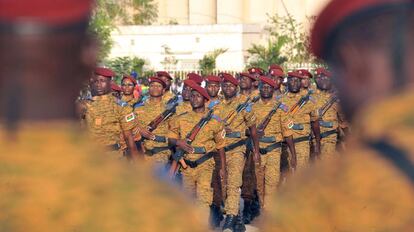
(125, 65)
(208, 63)
(263, 56)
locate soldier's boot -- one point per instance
(239, 225)
(215, 216)
(247, 212)
(229, 223)
(255, 207)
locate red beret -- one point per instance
(106, 72)
(255, 70)
(268, 81)
(195, 77)
(275, 66)
(54, 12)
(336, 12)
(163, 74)
(248, 75)
(305, 73)
(195, 86)
(212, 78)
(130, 78)
(322, 71)
(295, 74)
(229, 78)
(115, 87)
(276, 72)
(157, 79)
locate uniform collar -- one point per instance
(102, 97)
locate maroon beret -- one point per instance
(268, 81)
(322, 71)
(212, 78)
(130, 78)
(115, 87)
(53, 12)
(229, 78)
(305, 73)
(196, 87)
(295, 74)
(275, 66)
(157, 79)
(195, 77)
(248, 75)
(255, 70)
(276, 72)
(337, 12)
(106, 72)
(163, 74)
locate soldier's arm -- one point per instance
(174, 136)
(291, 146)
(129, 139)
(314, 117)
(250, 119)
(288, 137)
(127, 120)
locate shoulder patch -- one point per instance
(249, 108)
(130, 117)
(213, 104)
(216, 117)
(284, 107)
(121, 103)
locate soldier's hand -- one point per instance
(146, 134)
(228, 130)
(256, 156)
(223, 175)
(185, 146)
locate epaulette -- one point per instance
(121, 103)
(213, 104)
(249, 108)
(284, 107)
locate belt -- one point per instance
(180, 153)
(267, 139)
(327, 133)
(156, 150)
(234, 134)
(234, 145)
(270, 148)
(160, 139)
(204, 158)
(114, 147)
(326, 124)
(301, 139)
(199, 150)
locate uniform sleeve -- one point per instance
(174, 128)
(250, 118)
(219, 136)
(139, 113)
(127, 118)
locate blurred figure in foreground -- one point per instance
(51, 177)
(370, 46)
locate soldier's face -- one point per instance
(100, 85)
(293, 84)
(156, 89)
(213, 88)
(127, 87)
(229, 89)
(305, 82)
(167, 82)
(323, 82)
(245, 82)
(186, 93)
(266, 90)
(197, 100)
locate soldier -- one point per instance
(256, 72)
(273, 132)
(209, 140)
(52, 177)
(213, 87)
(327, 112)
(236, 122)
(278, 76)
(185, 105)
(156, 151)
(246, 85)
(108, 118)
(302, 119)
(116, 90)
(128, 84)
(306, 80)
(195, 77)
(370, 187)
(166, 77)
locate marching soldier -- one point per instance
(370, 187)
(306, 80)
(206, 135)
(156, 148)
(106, 117)
(237, 117)
(256, 72)
(302, 119)
(327, 111)
(128, 84)
(166, 77)
(277, 74)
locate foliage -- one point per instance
(208, 62)
(264, 56)
(125, 65)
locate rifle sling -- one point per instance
(328, 133)
(202, 159)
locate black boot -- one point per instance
(215, 216)
(229, 223)
(239, 225)
(255, 207)
(247, 212)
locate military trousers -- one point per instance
(234, 164)
(268, 175)
(249, 179)
(216, 183)
(302, 154)
(160, 158)
(328, 146)
(197, 182)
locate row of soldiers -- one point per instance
(232, 134)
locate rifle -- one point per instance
(295, 108)
(190, 137)
(161, 118)
(322, 111)
(229, 119)
(172, 101)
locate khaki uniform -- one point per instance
(167, 96)
(197, 180)
(268, 171)
(106, 119)
(54, 179)
(155, 151)
(302, 118)
(131, 101)
(361, 190)
(184, 107)
(329, 134)
(235, 158)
